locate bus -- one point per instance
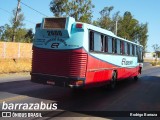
(78, 55)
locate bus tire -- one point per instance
(113, 80)
(135, 78)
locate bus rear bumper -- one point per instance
(72, 82)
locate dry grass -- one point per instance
(149, 60)
(155, 63)
(14, 65)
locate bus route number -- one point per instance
(54, 33)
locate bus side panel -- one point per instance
(100, 72)
(96, 74)
(124, 73)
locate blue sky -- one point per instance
(142, 10)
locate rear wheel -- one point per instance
(135, 78)
(113, 80)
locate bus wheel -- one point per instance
(113, 80)
(135, 78)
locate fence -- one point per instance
(15, 50)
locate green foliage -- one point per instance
(59, 7)
(105, 21)
(155, 47)
(154, 63)
(128, 27)
(29, 36)
(81, 10)
(7, 33)
(1, 31)
(21, 34)
(19, 22)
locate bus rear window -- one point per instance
(54, 23)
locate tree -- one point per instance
(127, 26)
(29, 36)
(142, 35)
(20, 18)
(21, 35)
(1, 31)
(105, 20)
(81, 10)
(15, 30)
(156, 47)
(16, 21)
(7, 33)
(59, 7)
(132, 30)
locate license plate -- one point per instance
(51, 82)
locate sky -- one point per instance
(145, 11)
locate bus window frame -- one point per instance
(91, 40)
(108, 42)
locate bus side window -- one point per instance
(141, 54)
(91, 41)
(138, 54)
(122, 47)
(97, 42)
(125, 48)
(109, 44)
(128, 48)
(114, 45)
(136, 50)
(106, 44)
(102, 43)
(118, 46)
(133, 49)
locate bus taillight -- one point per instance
(77, 83)
(79, 25)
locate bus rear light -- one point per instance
(79, 25)
(77, 83)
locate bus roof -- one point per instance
(104, 31)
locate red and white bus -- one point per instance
(74, 54)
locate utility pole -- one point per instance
(16, 17)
